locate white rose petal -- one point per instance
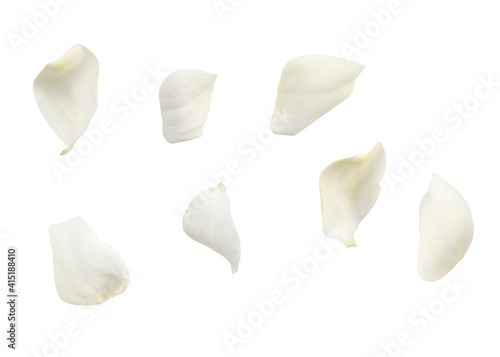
(446, 230)
(208, 221)
(349, 188)
(86, 271)
(311, 86)
(66, 93)
(185, 97)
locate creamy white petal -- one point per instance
(208, 221)
(349, 188)
(86, 271)
(446, 230)
(66, 93)
(311, 86)
(185, 97)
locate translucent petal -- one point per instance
(446, 230)
(185, 97)
(66, 93)
(311, 86)
(86, 271)
(349, 189)
(208, 221)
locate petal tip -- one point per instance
(234, 268)
(221, 187)
(279, 126)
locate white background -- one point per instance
(131, 188)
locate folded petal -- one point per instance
(185, 102)
(66, 93)
(349, 188)
(446, 230)
(86, 271)
(311, 86)
(208, 221)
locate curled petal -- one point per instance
(208, 221)
(86, 271)
(349, 188)
(185, 97)
(446, 230)
(311, 86)
(66, 93)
